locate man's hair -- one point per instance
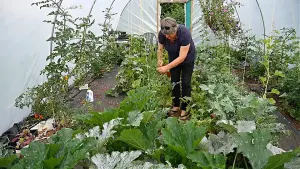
(169, 22)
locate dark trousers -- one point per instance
(183, 71)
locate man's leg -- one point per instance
(186, 78)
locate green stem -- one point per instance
(268, 79)
(54, 22)
(234, 159)
(245, 62)
(228, 38)
(245, 163)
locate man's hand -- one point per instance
(160, 63)
(163, 69)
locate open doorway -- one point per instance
(173, 10)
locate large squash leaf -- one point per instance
(144, 137)
(221, 143)
(6, 162)
(278, 161)
(135, 138)
(34, 155)
(134, 118)
(208, 161)
(148, 165)
(293, 164)
(64, 151)
(103, 136)
(150, 131)
(183, 138)
(254, 146)
(116, 160)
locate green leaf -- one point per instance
(53, 149)
(7, 161)
(208, 161)
(265, 62)
(75, 151)
(263, 79)
(17, 166)
(284, 95)
(134, 137)
(136, 83)
(279, 73)
(102, 136)
(52, 162)
(62, 136)
(221, 143)
(246, 126)
(275, 91)
(230, 128)
(134, 118)
(34, 155)
(294, 163)
(254, 146)
(150, 132)
(271, 100)
(278, 161)
(116, 160)
(98, 119)
(147, 115)
(183, 138)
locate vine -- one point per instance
(77, 53)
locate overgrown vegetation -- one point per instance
(78, 52)
(173, 10)
(230, 127)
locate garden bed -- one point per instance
(287, 142)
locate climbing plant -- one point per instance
(77, 50)
(219, 16)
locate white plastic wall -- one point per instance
(281, 13)
(24, 49)
(139, 17)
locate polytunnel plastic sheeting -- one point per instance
(281, 13)
(139, 17)
(24, 48)
(198, 25)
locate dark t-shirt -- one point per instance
(183, 39)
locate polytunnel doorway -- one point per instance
(143, 17)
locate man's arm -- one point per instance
(182, 55)
(159, 54)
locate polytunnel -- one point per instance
(23, 35)
(24, 47)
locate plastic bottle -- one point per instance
(89, 96)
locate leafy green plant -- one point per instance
(62, 152)
(173, 10)
(183, 139)
(208, 161)
(268, 75)
(77, 50)
(220, 17)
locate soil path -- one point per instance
(99, 87)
